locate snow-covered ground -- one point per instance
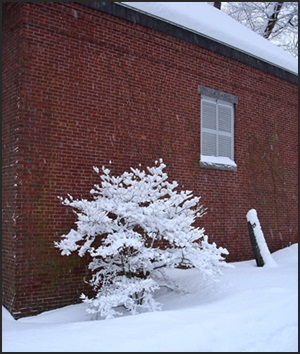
(251, 309)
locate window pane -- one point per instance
(225, 146)
(209, 144)
(209, 115)
(224, 118)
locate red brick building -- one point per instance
(88, 83)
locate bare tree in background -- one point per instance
(275, 21)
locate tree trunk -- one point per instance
(273, 19)
(217, 5)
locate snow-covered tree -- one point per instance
(135, 225)
(276, 21)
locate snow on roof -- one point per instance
(212, 23)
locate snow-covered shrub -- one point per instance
(135, 225)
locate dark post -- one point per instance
(258, 257)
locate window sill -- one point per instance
(218, 163)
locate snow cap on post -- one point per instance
(259, 244)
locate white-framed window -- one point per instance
(217, 129)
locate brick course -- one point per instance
(82, 88)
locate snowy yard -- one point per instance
(251, 309)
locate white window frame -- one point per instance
(221, 155)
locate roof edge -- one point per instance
(141, 18)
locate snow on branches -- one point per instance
(135, 225)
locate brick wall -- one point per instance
(83, 88)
